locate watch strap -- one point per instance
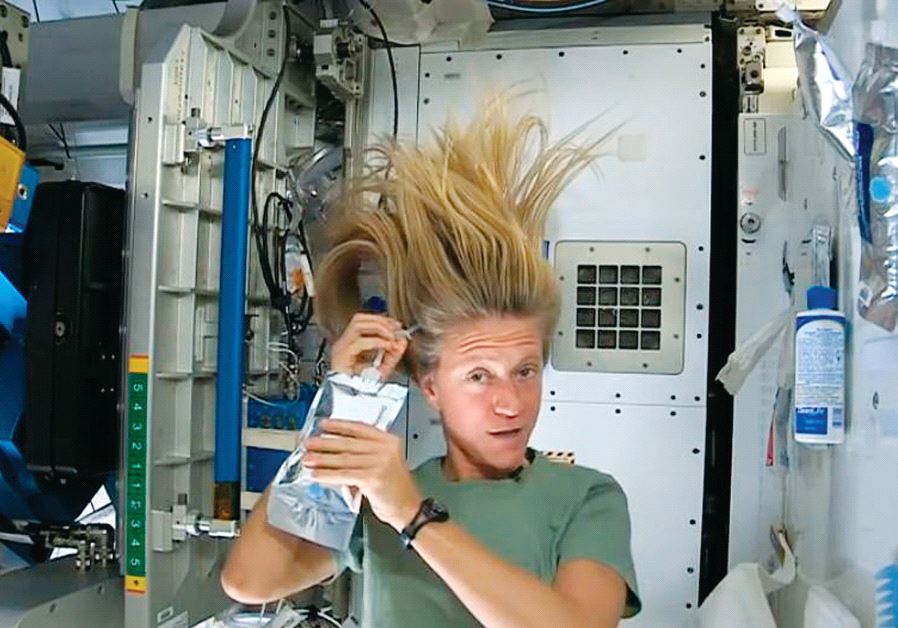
(429, 511)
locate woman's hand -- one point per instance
(365, 335)
(355, 454)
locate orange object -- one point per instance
(298, 280)
(11, 161)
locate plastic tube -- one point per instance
(231, 327)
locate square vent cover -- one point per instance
(623, 306)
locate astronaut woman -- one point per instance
(495, 534)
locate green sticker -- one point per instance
(135, 500)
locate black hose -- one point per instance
(22, 138)
(5, 54)
(389, 47)
(261, 237)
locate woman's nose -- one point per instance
(505, 399)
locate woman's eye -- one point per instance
(477, 377)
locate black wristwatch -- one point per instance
(429, 511)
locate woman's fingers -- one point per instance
(353, 353)
(322, 460)
(364, 344)
(365, 333)
(393, 355)
(339, 477)
(352, 429)
(337, 444)
(373, 325)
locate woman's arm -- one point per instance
(498, 593)
(267, 564)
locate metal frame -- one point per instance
(176, 205)
(57, 593)
(17, 24)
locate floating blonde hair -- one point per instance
(457, 231)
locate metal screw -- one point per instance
(750, 222)
(59, 330)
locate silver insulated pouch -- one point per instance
(322, 514)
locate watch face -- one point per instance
(434, 510)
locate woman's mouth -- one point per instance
(507, 433)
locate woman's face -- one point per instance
(487, 388)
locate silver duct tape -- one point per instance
(781, 420)
(822, 241)
(326, 515)
(876, 163)
(824, 87)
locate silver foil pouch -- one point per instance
(876, 165)
(323, 514)
(825, 86)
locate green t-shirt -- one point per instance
(550, 514)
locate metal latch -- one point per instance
(339, 54)
(181, 523)
(198, 134)
(94, 542)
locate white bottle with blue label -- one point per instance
(820, 370)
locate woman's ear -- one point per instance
(427, 384)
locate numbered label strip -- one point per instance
(136, 496)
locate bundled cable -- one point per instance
(279, 300)
(21, 137)
(6, 58)
(390, 60)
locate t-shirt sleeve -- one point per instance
(351, 557)
(599, 530)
